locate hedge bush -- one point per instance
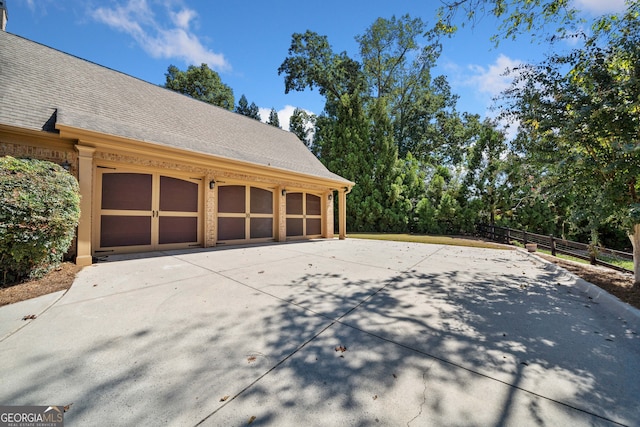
(39, 211)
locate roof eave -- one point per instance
(132, 146)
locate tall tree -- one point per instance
(245, 109)
(390, 195)
(585, 124)
(371, 106)
(398, 55)
(200, 83)
(273, 118)
(485, 169)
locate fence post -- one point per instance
(524, 237)
(492, 233)
(508, 236)
(552, 244)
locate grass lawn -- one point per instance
(474, 243)
(611, 260)
(437, 240)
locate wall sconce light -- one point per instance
(212, 184)
(330, 197)
(284, 192)
(66, 165)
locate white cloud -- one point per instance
(137, 19)
(599, 7)
(492, 80)
(284, 115)
(484, 83)
(264, 115)
(183, 18)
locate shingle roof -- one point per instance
(41, 86)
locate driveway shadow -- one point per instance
(459, 345)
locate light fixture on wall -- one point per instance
(330, 197)
(66, 165)
(284, 192)
(212, 184)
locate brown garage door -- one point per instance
(304, 215)
(245, 213)
(146, 211)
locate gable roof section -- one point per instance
(41, 86)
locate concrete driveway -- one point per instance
(326, 333)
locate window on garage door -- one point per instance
(245, 213)
(146, 211)
(304, 215)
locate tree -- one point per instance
(273, 118)
(301, 124)
(245, 109)
(397, 57)
(583, 124)
(516, 16)
(312, 63)
(200, 83)
(485, 168)
(386, 120)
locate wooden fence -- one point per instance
(595, 255)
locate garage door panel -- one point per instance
(231, 228)
(261, 201)
(178, 230)
(178, 195)
(261, 228)
(314, 226)
(313, 205)
(119, 230)
(127, 191)
(294, 204)
(295, 227)
(232, 199)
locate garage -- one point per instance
(304, 215)
(145, 211)
(245, 214)
(158, 170)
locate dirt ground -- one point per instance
(614, 282)
(57, 280)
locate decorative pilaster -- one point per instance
(328, 228)
(280, 215)
(85, 179)
(342, 214)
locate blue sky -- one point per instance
(245, 42)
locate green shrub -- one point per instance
(39, 211)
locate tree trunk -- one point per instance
(635, 241)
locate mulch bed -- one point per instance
(57, 280)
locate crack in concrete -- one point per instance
(424, 398)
